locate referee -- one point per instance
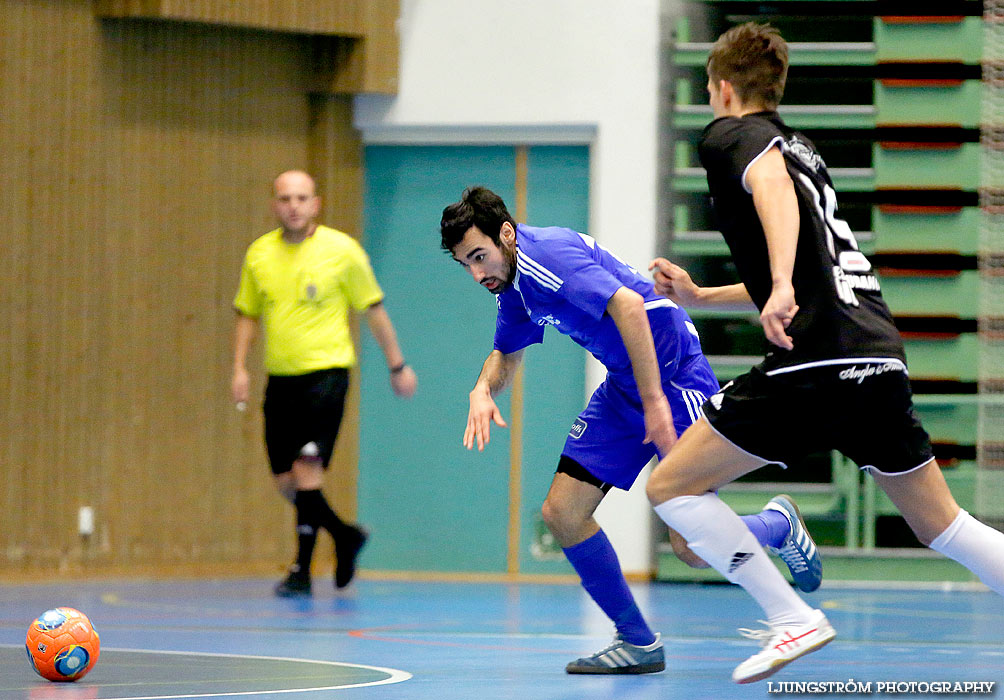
(300, 280)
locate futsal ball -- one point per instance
(62, 645)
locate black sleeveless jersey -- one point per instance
(841, 315)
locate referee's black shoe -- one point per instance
(295, 585)
(347, 547)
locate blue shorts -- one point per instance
(607, 436)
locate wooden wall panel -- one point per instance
(338, 167)
(369, 64)
(138, 162)
(334, 17)
(356, 48)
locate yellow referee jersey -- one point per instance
(302, 293)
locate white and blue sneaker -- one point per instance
(799, 551)
(621, 657)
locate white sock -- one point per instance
(976, 546)
(717, 535)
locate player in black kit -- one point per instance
(835, 376)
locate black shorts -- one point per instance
(864, 410)
(301, 409)
(567, 465)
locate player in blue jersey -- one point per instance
(657, 379)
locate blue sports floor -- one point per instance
(445, 641)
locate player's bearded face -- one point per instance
(509, 256)
(499, 270)
(491, 263)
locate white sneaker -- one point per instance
(781, 646)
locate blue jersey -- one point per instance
(565, 279)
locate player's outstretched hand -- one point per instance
(404, 382)
(777, 315)
(482, 413)
(674, 282)
(659, 425)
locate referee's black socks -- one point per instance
(312, 508)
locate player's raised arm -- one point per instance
(627, 309)
(777, 206)
(673, 282)
(496, 374)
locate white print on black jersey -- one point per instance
(809, 158)
(851, 269)
(841, 311)
(846, 284)
(859, 374)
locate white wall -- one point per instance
(539, 71)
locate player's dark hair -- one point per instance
(478, 206)
(754, 59)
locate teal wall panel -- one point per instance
(554, 374)
(940, 168)
(929, 41)
(430, 504)
(958, 104)
(952, 358)
(954, 295)
(953, 232)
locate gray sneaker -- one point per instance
(621, 657)
(799, 552)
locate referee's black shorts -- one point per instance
(864, 410)
(300, 409)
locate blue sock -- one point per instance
(769, 527)
(596, 563)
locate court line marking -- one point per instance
(395, 675)
(434, 638)
(901, 607)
